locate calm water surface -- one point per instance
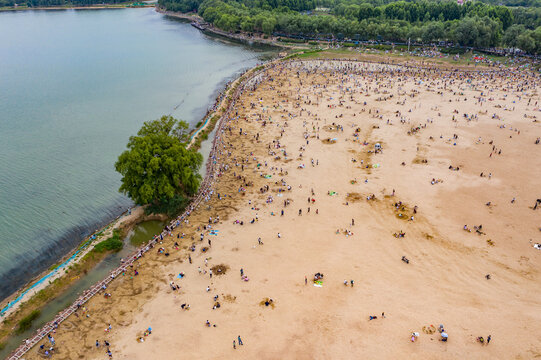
(74, 85)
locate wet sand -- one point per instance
(314, 110)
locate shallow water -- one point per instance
(144, 232)
(74, 86)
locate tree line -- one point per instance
(474, 24)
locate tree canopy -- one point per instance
(157, 167)
(482, 24)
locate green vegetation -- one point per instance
(170, 207)
(112, 244)
(474, 24)
(157, 168)
(26, 321)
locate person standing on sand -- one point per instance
(240, 340)
(234, 345)
(488, 339)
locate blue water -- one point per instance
(74, 85)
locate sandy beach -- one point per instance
(411, 190)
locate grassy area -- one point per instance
(204, 134)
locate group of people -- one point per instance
(254, 176)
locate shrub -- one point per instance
(112, 244)
(26, 322)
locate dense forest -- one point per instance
(479, 24)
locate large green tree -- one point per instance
(157, 167)
(510, 37)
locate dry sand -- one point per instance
(444, 282)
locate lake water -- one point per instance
(74, 85)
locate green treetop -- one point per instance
(157, 168)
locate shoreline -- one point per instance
(124, 222)
(220, 109)
(241, 37)
(62, 262)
